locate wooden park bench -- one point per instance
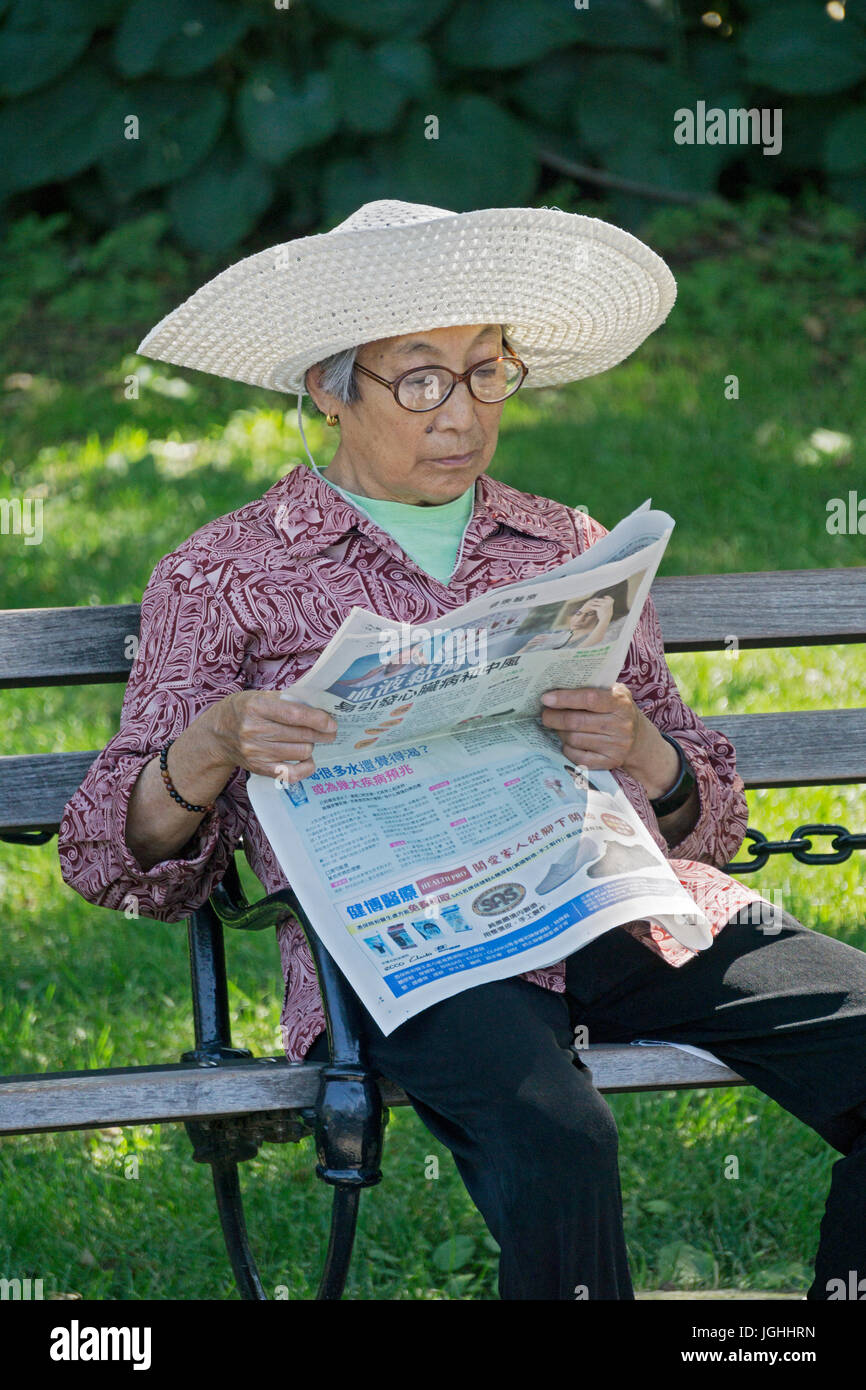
(230, 1101)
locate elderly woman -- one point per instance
(410, 326)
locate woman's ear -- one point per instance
(312, 378)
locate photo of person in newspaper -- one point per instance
(366, 672)
(581, 624)
(536, 839)
(444, 647)
(577, 625)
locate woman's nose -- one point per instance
(459, 406)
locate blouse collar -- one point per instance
(311, 515)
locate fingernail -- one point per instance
(548, 699)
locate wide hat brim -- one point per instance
(576, 295)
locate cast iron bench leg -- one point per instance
(348, 1120)
(221, 1144)
(350, 1117)
(227, 1190)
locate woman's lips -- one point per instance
(461, 459)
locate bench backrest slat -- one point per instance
(61, 646)
(68, 646)
(767, 608)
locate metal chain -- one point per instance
(800, 845)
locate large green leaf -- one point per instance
(277, 115)
(408, 18)
(221, 202)
(686, 1266)
(369, 103)
(38, 43)
(176, 37)
(483, 156)
(644, 150)
(94, 202)
(622, 24)
(712, 62)
(56, 132)
(797, 47)
(373, 84)
(506, 33)
(547, 89)
(64, 14)
(845, 150)
(178, 124)
(605, 121)
(34, 51)
(805, 128)
(453, 1253)
(409, 65)
(97, 13)
(348, 183)
(850, 190)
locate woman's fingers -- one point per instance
(257, 729)
(277, 738)
(296, 714)
(292, 772)
(254, 707)
(571, 721)
(292, 752)
(588, 757)
(272, 759)
(262, 749)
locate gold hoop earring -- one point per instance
(331, 419)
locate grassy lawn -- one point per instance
(774, 298)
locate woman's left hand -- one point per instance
(603, 728)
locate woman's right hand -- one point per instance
(263, 733)
(252, 729)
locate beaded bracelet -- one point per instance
(170, 787)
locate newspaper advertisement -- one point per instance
(444, 839)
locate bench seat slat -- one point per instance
(141, 1095)
(807, 748)
(801, 749)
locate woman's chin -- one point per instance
(442, 482)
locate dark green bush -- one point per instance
(275, 118)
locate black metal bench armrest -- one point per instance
(233, 908)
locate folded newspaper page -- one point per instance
(444, 839)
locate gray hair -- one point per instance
(340, 379)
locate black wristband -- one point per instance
(682, 788)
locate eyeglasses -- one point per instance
(425, 388)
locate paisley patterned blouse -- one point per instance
(249, 601)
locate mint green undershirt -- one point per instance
(430, 535)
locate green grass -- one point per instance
(777, 299)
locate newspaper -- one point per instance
(444, 840)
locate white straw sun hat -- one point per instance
(576, 295)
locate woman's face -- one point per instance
(391, 453)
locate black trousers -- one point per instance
(491, 1075)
